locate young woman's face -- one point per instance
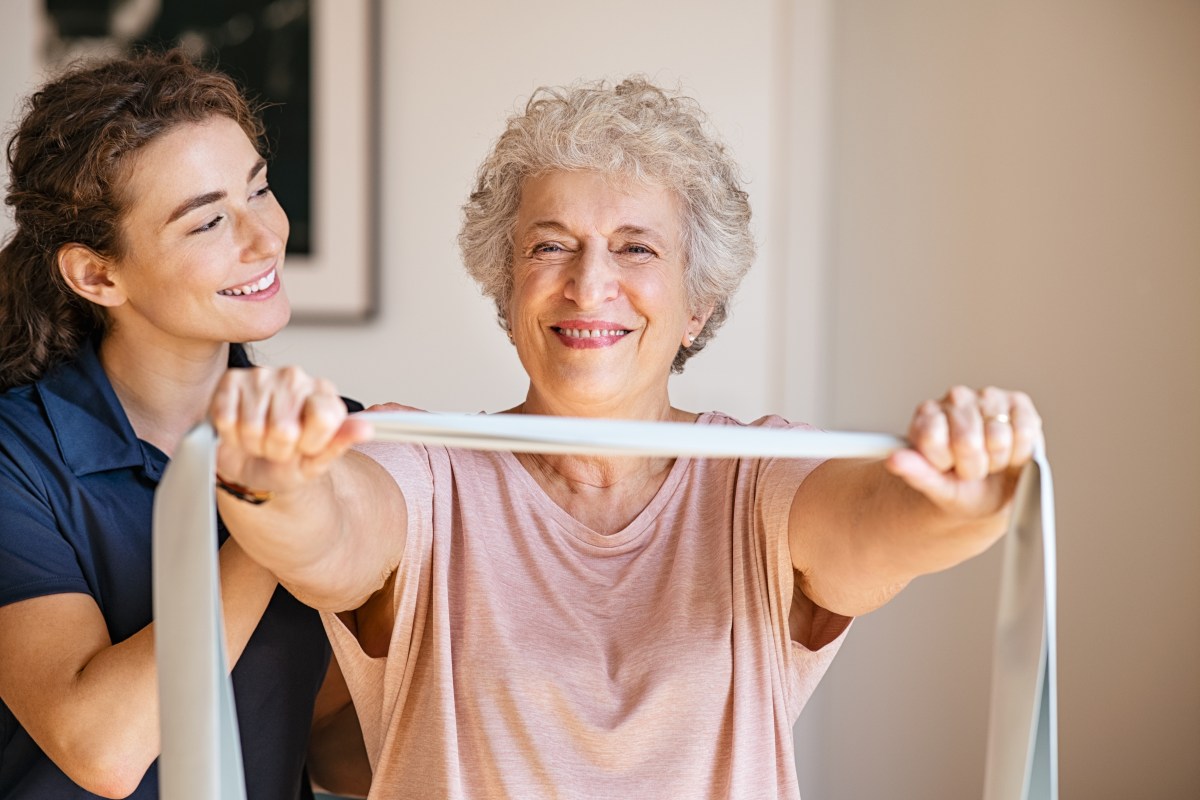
(203, 240)
(599, 308)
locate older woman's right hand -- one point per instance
(280, 428)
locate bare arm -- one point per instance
(859, 531)
(92, 705)
(337, 757)
(335, 526)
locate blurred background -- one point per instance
(946, 191)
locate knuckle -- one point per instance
(229, 381)
(923, 438)
(283, 431)
(928, 430)
(260, 377)
(960, 395)
(324, 413)
(992, 395)
(929, 408)
(293, 377)
(968, 445)
(251, 428)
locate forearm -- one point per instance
(106, 733)
(337, 758)
(332, 541)
(859, 535)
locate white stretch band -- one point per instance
(530, 433)
(201, 755)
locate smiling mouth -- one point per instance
(265, 282)
(587, 333)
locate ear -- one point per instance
(88, 274)
(696, 324)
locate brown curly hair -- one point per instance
(67, 163)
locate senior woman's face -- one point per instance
(599, 307)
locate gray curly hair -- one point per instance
(633, 129)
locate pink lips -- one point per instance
(589, 334)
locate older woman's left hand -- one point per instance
(968, 448)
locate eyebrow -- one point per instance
(200, 200)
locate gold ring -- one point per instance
(1001, 418)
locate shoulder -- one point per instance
(26, 436)
(19, 406)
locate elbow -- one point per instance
(115, 780)
(104, 767)
(849, 598)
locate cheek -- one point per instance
(529, 288)
(663, 294)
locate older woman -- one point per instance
(574, 626)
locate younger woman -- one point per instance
(147, 241)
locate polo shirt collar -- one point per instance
(89, 424)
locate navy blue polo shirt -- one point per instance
(76, 492)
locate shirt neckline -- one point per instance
(617, 540)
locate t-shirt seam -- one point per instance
(15, 594)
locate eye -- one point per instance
(263, 192)
(548, 247)
(208, 226)
(638, 253)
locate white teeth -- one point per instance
(582, 333)
(250, 288)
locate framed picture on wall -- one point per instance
(313, 65)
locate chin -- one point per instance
(265, 325)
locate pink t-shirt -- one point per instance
(535, 658)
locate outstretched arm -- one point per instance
(334, 528)
(859, 531)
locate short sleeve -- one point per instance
(36, 559)
(409, 466)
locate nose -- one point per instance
(592, 280)
(263, 235)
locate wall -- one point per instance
(1016, 201)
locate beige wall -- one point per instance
(1017, 200)
(944, 191)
